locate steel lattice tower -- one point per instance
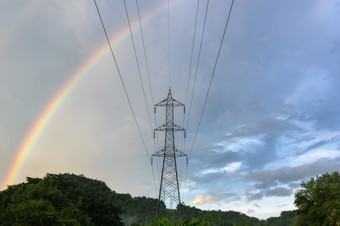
(169, 186)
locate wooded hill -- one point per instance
(68, 199)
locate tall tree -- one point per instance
(318, 201)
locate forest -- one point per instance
(68, 199)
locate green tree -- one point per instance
(59, 199)
(318, 201)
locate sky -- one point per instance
(271, 119)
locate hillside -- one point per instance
(68, 199)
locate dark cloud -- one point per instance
(278, 192)
(275, 192)
(256, 196)
(256, 205)
(286, 175)
(209, 158)
(291, 174)
(269, 180)
(211, 179)
(321, 143)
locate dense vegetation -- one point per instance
(286, 218)
(68, 199)
(318, 201)
(62, 199)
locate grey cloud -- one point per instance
(236, 198)
(294, 185)
(250, 211)
(275, 192)
(256, 196)
(321, 143)
(255, 126)
(291, 174)
(208, 158)
(265, 185)
(256, 205)
(262, 153)
(279, 192)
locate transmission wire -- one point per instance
(169, 41)
(147, 66)
(192, 52)
(198, 61)
(137, 62)
(191, 57)
(121, 78)
(212, 75)
(141, 80)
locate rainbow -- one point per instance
(59, 98)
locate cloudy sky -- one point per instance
(272, 118)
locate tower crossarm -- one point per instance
(159, 153)
(165, 102)
(169, 101)
(179, 153)
(172, 127)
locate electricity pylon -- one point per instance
(169, 187)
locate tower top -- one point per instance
(169, 93)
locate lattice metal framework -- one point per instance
(169, 186)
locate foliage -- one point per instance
(137, 208)
(202, 221)
(318, 201)
(58, 199)
(68, 199)
(162, 221)
(227, 218)
(286, 218)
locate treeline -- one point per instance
(68, 199)
(62, 199)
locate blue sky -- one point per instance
(272, 117)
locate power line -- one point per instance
(191, 57)
(137, 62)
(145, 56)
(147, 67)
(212, 75)
(169, 41)
(121, 78)
(198, 61)
(192, 52)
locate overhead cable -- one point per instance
(198, 61)
(137, 62)
(147, 66)
(120, 77)
(212, 75)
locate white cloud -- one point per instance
(227, 169)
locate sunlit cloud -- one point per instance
(201, 199)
